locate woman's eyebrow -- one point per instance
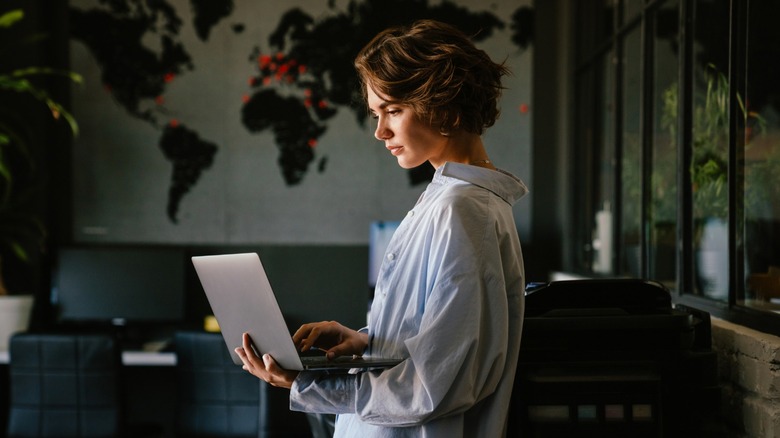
(381, 106)
(384, 104)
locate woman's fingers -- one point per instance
(308, 335)
(247, 354)
(332, 337)
(264, 367)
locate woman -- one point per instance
(449, 297)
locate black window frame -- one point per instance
(591, 18)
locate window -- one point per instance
(678, 150)
(758, 163)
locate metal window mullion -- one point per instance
(685, 265)
(617, 129)
(646, 134)
(737, 87)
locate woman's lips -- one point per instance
(395, 150)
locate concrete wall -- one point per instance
(749, 370)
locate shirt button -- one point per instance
(411, 213)
(391, 256)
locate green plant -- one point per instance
(22, 230)
(709, 163)
(762, 194)
(710, 147)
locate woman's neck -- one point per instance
(466, 148)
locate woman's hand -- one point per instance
(266, 368)
(332, 337)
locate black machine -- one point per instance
(613, 358)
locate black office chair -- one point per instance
(217, 398)
(63, 386)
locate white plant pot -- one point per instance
(15, 313)
(713, 259)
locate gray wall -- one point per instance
(121, 177)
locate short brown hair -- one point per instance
(436, 70)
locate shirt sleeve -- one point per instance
(455, 361)
(457, 356)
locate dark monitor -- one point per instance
(119, 285)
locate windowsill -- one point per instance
(772, 306)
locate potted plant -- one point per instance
(709, 176)
(709, 180)
(22, 229)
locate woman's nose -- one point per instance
(381, 132)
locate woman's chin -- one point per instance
(408, 164)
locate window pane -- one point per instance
(584, 136)
(663, 193)
(631, 187)
(596, 165)
(595, 26)
(709, 161)
(583, 159)
(762, 159)
(631, 10)
(605, 173)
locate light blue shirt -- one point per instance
(449, 299)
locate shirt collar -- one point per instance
(505, 185)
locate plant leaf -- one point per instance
(11, 17)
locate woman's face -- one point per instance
(411, 141)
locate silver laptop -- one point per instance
(242, 300)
